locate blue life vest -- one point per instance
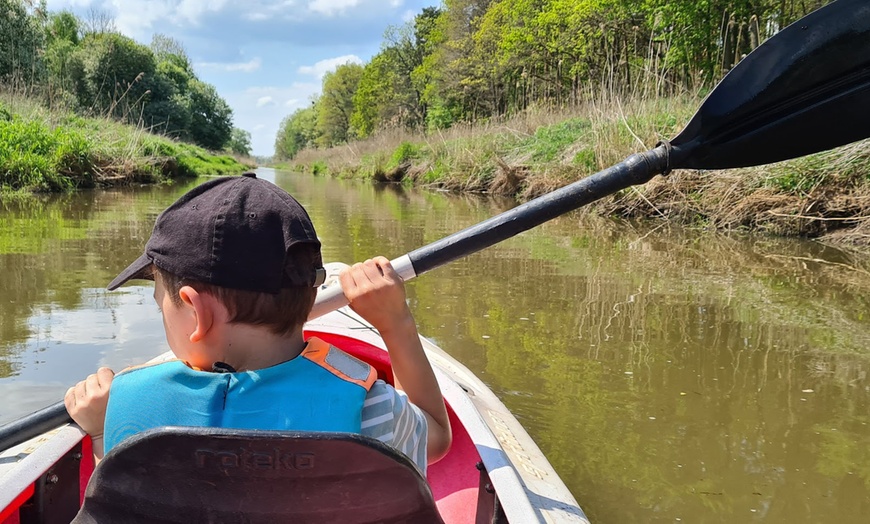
(323, 389)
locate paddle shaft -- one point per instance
(32, 425)
(636, 169)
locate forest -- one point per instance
(468, 61)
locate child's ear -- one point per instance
(202, 307)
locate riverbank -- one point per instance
(42, 150)
(824, 195)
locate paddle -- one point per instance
(806, 89)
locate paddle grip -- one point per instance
(331, 297)
(636, 169)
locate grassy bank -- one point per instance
(43, 150)
(823, 195)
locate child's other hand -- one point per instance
(377, 293)
(86, 401)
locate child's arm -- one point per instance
(377, 293)
(86, 404)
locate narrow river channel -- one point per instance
(669, 375)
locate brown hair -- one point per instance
(281, 313)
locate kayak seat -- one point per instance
(192, 475)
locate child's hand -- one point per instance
(86, 402)
(377, 293)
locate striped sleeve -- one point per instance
(390, 417)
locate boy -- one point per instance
(236, 264)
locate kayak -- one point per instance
(494, 471)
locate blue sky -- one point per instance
(266, 58)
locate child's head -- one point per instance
(242, 240)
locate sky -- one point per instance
(265, 58)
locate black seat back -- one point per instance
(192, 475)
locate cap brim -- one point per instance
(136, 270)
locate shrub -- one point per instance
(406, 151)
(319, 168)
(33, 156)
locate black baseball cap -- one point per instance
(234, 232)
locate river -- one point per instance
(670, 375)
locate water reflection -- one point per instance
(667, 374)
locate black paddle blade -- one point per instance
(803, 91)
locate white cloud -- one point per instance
(136, 19)
(192, 10)
(69, 4)
(262, 10)
(139, 19)
(331, 7)
(291, 103)
(324, 66)
(231, 67)
(265, 101)
(262, 120)
(218, 25)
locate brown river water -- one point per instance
(669, 375)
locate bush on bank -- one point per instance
(42, 150)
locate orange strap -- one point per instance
(339, 363)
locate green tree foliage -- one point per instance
(335, 106)
(699, 41)
(240, 142)
(475, 59)
(169, 108)
(391, 89)
(211, 119)
(89, 67)
(62, 35)
(297, 131)
(168, 49)
(374, 100)
(114, 74)
(20, 42)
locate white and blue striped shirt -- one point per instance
(390, 417)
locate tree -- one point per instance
(211, 119)
(168, 49)
(240, 142)
(335, 106)
(63, 26)
(297, 131)
(99, 21)
(168, 109)
(20, 42)
(113, 75)
(62, 35)
(375, 101)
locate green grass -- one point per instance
(36, 157)
(50, 151)
(549, 142)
